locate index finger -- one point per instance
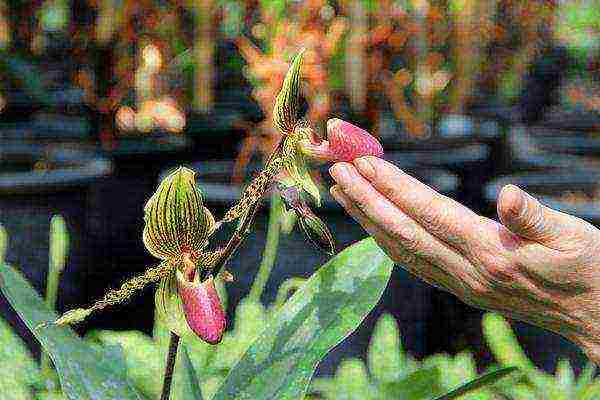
(440, 215)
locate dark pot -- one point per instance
(581, 121)
(37, 182)
(532, 150)
(296, 257)
(493, 124)
(48, 128)
(544, 347)
(118, 202)
(541, 83)
(570, 142)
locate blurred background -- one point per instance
(99, 98)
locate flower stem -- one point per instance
(270, 251)
(241, 232)
(170, 367)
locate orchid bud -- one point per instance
(176, 220)
(345, 142)
(202, 307)
(287, 103)
(314, 229)
(317, 232)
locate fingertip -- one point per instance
(365, 166)
(510, 202)
(334, 190)
(339, 196)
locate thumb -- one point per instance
(525, 216)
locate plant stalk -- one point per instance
(59, 248)
(170, 367)
(241, 232)
(270, 251)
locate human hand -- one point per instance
(537, 265)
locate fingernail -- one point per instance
(365, 167)
(518, 200)
(338, 195)
(340, 173)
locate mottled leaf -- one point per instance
(19, 370)
(145, 361)
(324, 311)
(85, 372)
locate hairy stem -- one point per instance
(115, 296)
(170, 367)
(270, 251)
(249, 213)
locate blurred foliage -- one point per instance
(391, 373)
(535, 384)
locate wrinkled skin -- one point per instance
(537, 265)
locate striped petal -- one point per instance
(287, 103)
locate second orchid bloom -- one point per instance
(177, 230)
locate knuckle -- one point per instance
(439, 219)
(406, 235)
(361, 201)
(497, 268)
(407, 260)
(477, 293)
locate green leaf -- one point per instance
(85, 372)
(419, 385)
(3, 243)
(507, 350)
(142, 358)
(352, 381)
(332, 303)
(385, 356)
(145, 361)
(478, 383)
(250, 317)
(586, 377)
(20, 369)
(186, 367)
(503, 342)
(59, 244)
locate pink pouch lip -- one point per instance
(202, 307)
(345, 142)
